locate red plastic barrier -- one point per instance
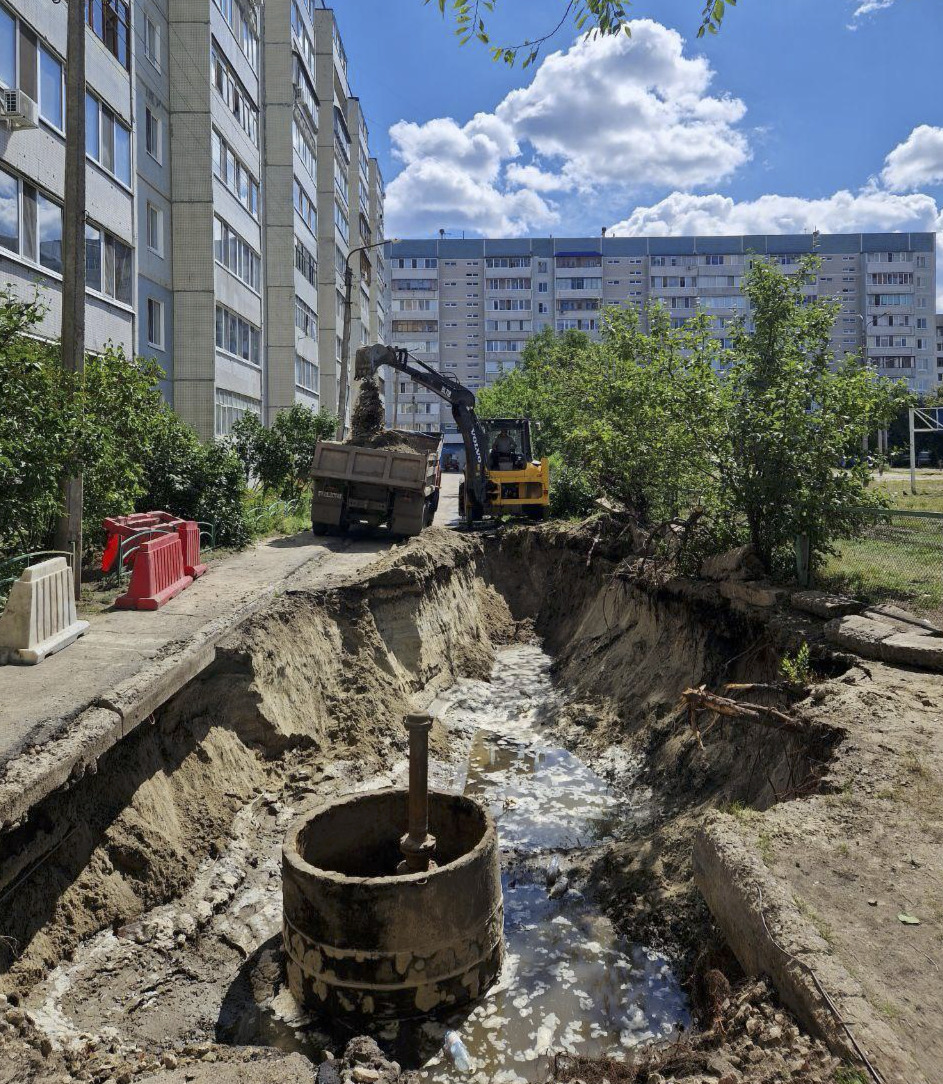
(158, 575)
(189, 534)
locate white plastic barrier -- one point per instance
(40, 616)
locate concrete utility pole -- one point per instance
(344, 381)
(69, 527)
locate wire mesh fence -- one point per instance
(898, 556)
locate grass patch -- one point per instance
(849, 1076)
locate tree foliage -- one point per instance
(110, 425)
(760, 442)
(794, 419)
(279, 457)
(596, 17)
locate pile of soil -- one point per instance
(368, 416)
(396, 440)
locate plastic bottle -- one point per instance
(553, 870)
(457, 1051)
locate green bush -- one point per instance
(571, 494)
(280, 457)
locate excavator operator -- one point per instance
(503, 448)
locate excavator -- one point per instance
(501, 475)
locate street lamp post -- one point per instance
(344, 381)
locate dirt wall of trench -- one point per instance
(315, 676)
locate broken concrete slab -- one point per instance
(823, 604)
(736, 564)
(885, 642)
(769, 935)
(751, 593)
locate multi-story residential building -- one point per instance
(32, 164)
(939, 348)
(221, 177)
(291, 118)
(469, 306)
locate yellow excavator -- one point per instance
(501, 475)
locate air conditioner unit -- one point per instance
(18, 109)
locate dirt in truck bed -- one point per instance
(397, 440)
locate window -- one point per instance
(236, 255)
(111, 22)
(508, 261)
(50, 88)
(153, 135)
(230, 407)
(107, 140)
(306, 263)
(234, 94)
(237, 336)
(307, 375)
(306, 319)
(49, 222)
(234, 175)
(155, 229)
(305, 148)
(242, 26)
(93, 257)
(7, 49)
(9, 212)
(340, 220)
(118, 270)
(152, 41)
(305, 207)
(155, 323)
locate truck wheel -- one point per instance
(538, 511)
(317, 527)
(461, 500)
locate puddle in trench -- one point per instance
(569, 981)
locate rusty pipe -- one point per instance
(418, 845)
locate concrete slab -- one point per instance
(887, 641)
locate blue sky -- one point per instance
(783, 121)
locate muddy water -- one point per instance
(207, 967)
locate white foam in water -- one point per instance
(570, 983)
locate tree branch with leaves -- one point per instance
(594, 17)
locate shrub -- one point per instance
(280, 456)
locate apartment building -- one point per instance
(469, 306)
(221, 177)
(32, 164)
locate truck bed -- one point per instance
(393, 469)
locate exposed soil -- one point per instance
(395, 440)
(184, 818)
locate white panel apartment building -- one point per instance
(469, 306)
(204, 244)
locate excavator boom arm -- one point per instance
(459, 398)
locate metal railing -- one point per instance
(19, 561)
(898, 555)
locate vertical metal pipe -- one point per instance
(418, 845)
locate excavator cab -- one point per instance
(517, 483)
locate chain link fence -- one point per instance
(897, 557)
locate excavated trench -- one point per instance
(144, 928)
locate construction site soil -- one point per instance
(145, 945)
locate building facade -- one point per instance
(221, 177)
(32, 165)
(469, 306)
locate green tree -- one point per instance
(632, 418)
(594, 16)
(794, 418)
(279, 457)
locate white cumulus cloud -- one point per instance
(917, 161)
(612, 113)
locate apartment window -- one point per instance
(237, 336)
(152, 41)
(49, 223)
(242, 26)
(307, 374)
(153, 135)
(305, 207)
(9, 212)
(155, 229)
(107, 139)
(236, 255)
(306, 263)
(508, 261)
(305, 148)
(340, 220)
(230, 407)
(155, 323)
(234, 94)
(50, 88)
(306, 319)
(228, 168)
(7, 49)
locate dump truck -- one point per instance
(394, 484)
